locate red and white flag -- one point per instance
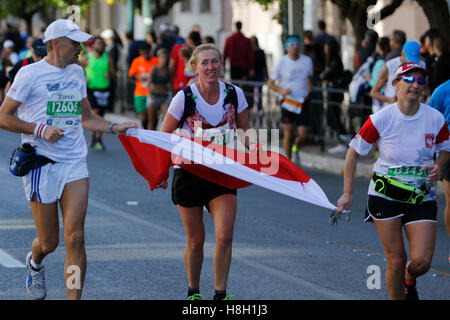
(153, 152)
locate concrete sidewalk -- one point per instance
(310, 156)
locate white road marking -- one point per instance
(9, 261)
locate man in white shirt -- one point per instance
(292, 78)
(51, 100)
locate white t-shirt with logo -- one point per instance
(405, 143)
(213, 123)
(293, 74)
(52, 95)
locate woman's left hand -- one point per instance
(435, 171)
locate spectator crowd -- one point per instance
(155, 67)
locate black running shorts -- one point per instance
(379, 208)
(188, 190)
(301, 119)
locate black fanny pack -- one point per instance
(24, 159)
(398, 191)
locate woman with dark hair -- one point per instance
(333, 76)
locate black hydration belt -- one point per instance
(398, 191)
(21, 162)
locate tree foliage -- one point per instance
(436, 11)
(25, 9)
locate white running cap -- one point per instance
(65, 28)
(8, 44)
(107, 34)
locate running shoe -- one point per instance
(99, 146)
(295, 157)
(340, 148)
(35, 282)
(195, 296)
(411, 292)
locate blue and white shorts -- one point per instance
(47, 183)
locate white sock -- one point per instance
(35, 265)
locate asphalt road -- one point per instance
(283, 248)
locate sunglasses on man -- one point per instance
(293, 44)
(410, 79)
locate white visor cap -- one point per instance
(65, 28)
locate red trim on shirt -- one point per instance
(443, 134)
(368, 132)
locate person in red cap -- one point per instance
(51, 101)
(401, 193)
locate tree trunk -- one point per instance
(356, 13)
(438, 16)
(29, 22)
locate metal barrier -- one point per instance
(353, 115)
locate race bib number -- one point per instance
(64, 108)
(221, 135)
(410, 175)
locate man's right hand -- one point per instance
(53, 134)
(285, 92)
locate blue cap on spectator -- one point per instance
(412, 51)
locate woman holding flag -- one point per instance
(218, 109)
(401, 192)
(208, 112)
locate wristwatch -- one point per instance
(110, 127)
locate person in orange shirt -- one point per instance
(140, 71)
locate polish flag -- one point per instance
(153, 152)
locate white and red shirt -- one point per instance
(405, 142)
(213, 123)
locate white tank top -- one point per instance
(391, 65)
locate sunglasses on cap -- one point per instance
(410, 79)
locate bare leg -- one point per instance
(447, 205)
(47, 227)
(195, 231)
(152, 118)
(74, 202)
(223, 210)
(302, 135)
(390, 232)
(287, 139)
(422, 239)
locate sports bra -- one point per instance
(159, 79)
